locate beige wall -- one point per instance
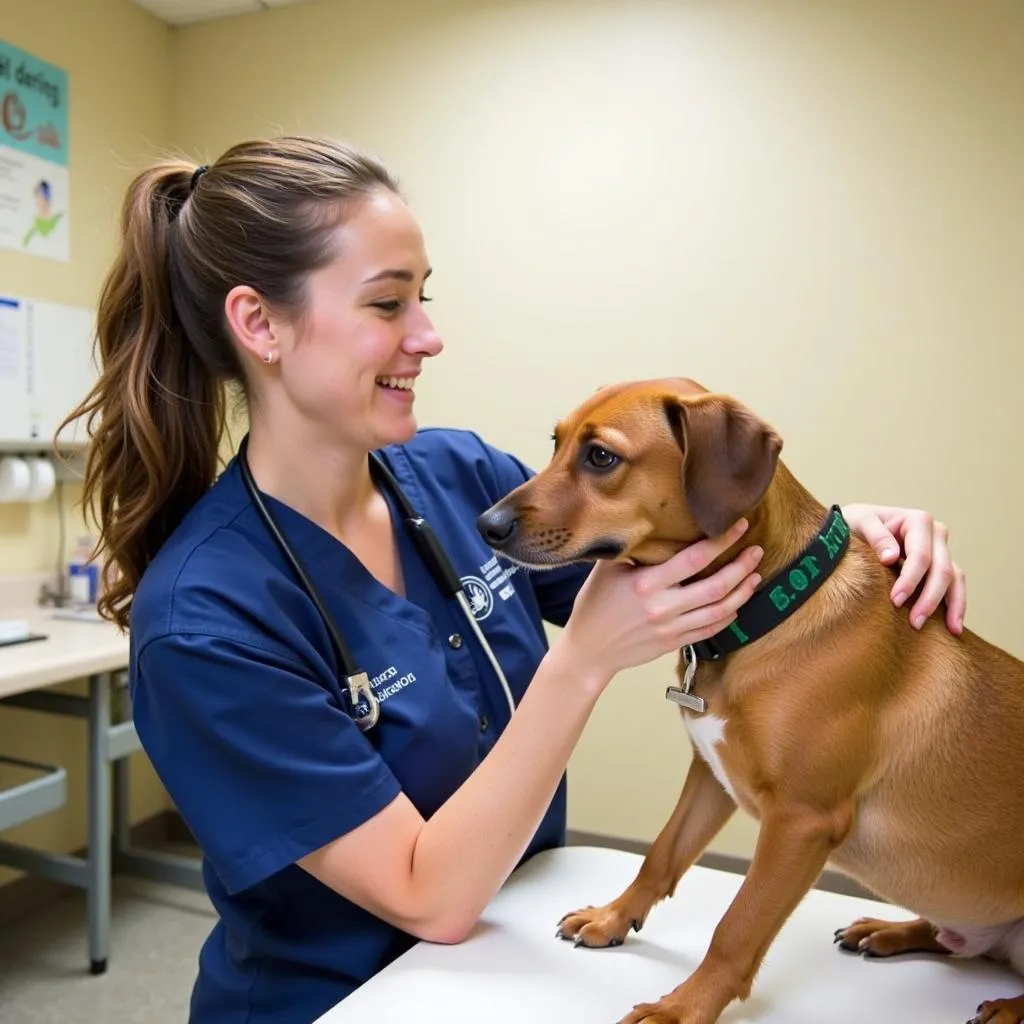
(118, 60)
(817, 207)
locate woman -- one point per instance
(293, 269)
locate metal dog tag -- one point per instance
(682, 696)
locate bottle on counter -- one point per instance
(83, 574)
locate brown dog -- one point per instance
(854, 739)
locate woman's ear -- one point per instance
(249, 320)
(729, 458)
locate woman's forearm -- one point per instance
(467, 849)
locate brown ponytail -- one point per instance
(156, 415)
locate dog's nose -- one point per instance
(497, 526)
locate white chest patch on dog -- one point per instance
(707, 732)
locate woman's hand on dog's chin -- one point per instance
(624, 617)
(923, 543)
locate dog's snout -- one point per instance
(497, 526)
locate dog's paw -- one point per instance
(650, 1013)
(874, 938)
(1000, 1011)
(669, 1009)
(596, 927)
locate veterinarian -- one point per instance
(333, 838)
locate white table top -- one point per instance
(73, 649)
(513, 969)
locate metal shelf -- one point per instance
(46, 791)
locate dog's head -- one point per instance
(640, 470)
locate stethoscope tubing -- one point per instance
(364, 703)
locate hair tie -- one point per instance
(196, 175)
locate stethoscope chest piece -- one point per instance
(363, 702)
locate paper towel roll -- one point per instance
(43, 479)
(15, 477)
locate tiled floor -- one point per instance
(156, 932)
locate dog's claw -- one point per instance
(637, 924)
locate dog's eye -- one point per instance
(601, 458)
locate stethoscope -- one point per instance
(365, 707)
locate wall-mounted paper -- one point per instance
(12, 340)
(46, 369)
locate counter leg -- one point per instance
(98, 888)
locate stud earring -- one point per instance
(268, 358)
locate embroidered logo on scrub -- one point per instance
(389, 682)
(493, 579)
(481, 603)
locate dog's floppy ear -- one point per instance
(729, 458)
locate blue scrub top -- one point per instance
(236, 701)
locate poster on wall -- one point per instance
(34, 199)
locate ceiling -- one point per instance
(185, 12)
